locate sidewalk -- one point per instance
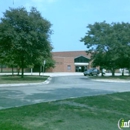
(24, 84)
(42, 74)
(112, 80)
(56, 74)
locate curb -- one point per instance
(47, 81)
(115, 81)
(24, 84)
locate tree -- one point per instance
(24, 36)
(108, 42)
(99, 60)
(50, 63)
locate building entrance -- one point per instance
(80, 68)
(81, 63)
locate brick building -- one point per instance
(70, 61)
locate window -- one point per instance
(68, 67)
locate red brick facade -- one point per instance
(65, 61)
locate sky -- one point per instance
(69, 18)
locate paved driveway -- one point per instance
(59, 88)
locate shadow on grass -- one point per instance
(86, 113)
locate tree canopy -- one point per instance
(24, 37)
(110, 44)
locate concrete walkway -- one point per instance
(56, 74)
(24, 84)
(42, 74)
(112, 80)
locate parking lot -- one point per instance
(60, 87)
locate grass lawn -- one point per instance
(86, 113)
(7, 79)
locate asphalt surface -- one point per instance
(61, 87)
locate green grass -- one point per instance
(87, 113)
(7, 79)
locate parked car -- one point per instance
(91, 72)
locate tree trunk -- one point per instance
(102, 72)
(22, 72)
(18, 70)
(1, 68)
(129, 71)
(122, 72)
(101, 69)
(40, 70)
(113, 71)
(31, 71)
(22, 67)
(12, 70)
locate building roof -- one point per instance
(71, 54)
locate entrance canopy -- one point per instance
(82, 60)
(81, 63)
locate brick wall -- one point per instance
(65, 60)
(64, 64)
(69, 64)
(59, 65)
